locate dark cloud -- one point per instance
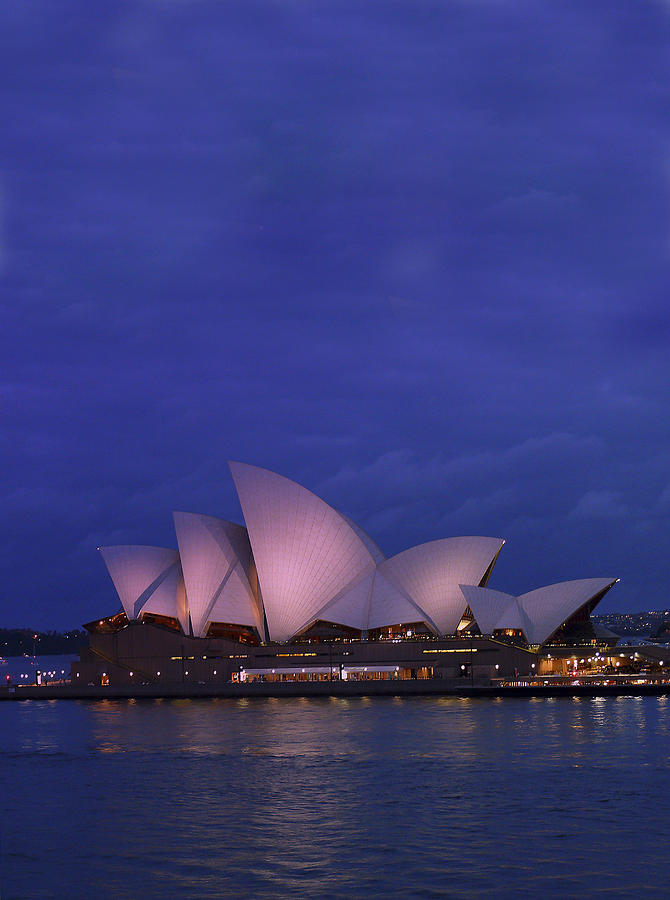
(413, 255)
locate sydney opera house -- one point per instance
(300, 592)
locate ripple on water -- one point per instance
(335, 798)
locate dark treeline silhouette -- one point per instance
(17, 641)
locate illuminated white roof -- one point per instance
(351, 606)
(170, 599)
(147, 579)
(215, 557)
(513, 616)
(236, 604)
(538, 613)
(390, 605)
(312, 563)
(305, 552)
(430, 574)
(547, 608)
(487, 606)
(373, 602)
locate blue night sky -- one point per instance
(411, 254)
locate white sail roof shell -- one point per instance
(170, 599)
(215, 558)
(487, 605)
(389, 605)
(372, 602)
(305, 552)
(430, 574)
(313, 562)
(147, 579)
(236, 604)
(539, 613)
(514, 616)
(352, 606)
(548, 607)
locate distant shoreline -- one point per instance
(15, 642)
(10, 656)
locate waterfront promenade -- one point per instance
(336, 688)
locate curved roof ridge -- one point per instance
(570, 581)
(514, 616)
(455, 537)
(135, 547)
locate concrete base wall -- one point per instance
(156, 655)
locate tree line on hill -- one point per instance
(20, 641)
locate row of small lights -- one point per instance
(46, 674)
(104, 674)
(365, 668)
(597, 657)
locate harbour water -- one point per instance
(384, 797)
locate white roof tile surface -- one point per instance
(314, 563)
(539, 613)
(430, 574)
(170, 599)
(548, 607)
(215, 557)
(390, 605)
(487, 605)
(147, 579)
(352, 606)
(305, 551)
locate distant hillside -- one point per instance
(17, 641)
(639, 624)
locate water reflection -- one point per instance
(335, 797)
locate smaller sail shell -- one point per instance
(540, 612)
(215, 558)
(430, 574)
(147, 579)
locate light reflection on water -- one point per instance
(335, 797)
